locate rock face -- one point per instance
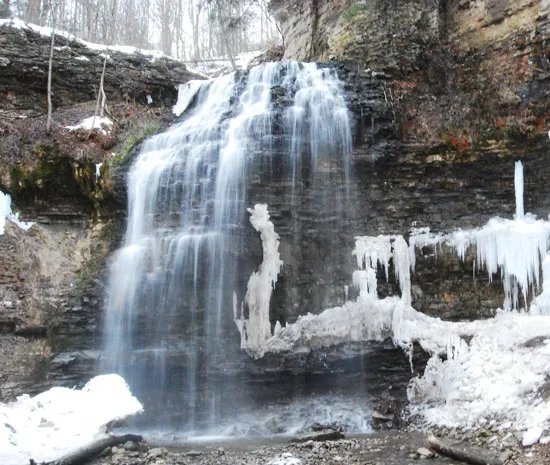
(458, 92)
(77, 71)
(459, 95)
(52, 277)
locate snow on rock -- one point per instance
(61, 421)
(6, 214)
(47, 32)
(257, 329)
(531, 436)
(186, 94)
(101, 123)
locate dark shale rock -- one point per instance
(75, 79)
(326, 434)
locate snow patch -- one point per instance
(61, 421)
(101, 123)
(5, 210)
(531, 437)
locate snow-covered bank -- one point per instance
(47, 32)
(61, 421)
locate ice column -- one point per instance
(518, 185)
(256, 330)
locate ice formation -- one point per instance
(98, 170)
(186, 94)
(5, 210)
(61, 421)
(497, 375)
(6, 214)
(513, 248)
(518, 187)
(256, 329)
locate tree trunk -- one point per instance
(457, 454)
(86, 454)
(50, 66)
(100, 94)
(33, 12)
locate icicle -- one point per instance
(98, 170)
(402, 265)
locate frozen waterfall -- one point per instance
(169, 312)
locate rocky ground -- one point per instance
(389, 448)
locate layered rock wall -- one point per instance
(465, 85)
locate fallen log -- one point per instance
(88, 453)
(457, 454)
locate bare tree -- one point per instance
(50, 66)
(33, 11)
(196, 29)
(101, 98)
(5, 9)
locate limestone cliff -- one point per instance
(462, 72)
(465, 84)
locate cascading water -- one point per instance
(169, 326)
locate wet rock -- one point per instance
(327, 434)
(422, 452)
(130, 445)
(156, 452)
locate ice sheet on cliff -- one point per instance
(61, 421)
(494, 369)
(7, 214)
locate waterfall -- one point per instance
(169, 326)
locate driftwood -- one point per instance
(88, 453)
(452, 452)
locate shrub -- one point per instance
(354, 10)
